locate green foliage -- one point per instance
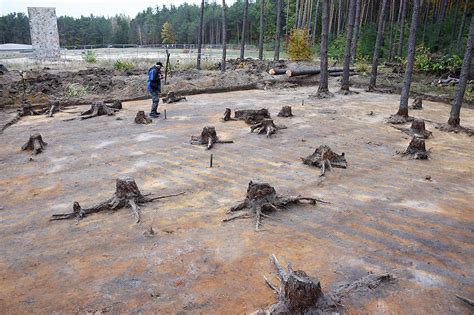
(336, 48)
(437, 64)
(167, 34)
(89, 56)
(299, 47)
(123, 65)
(75, 89)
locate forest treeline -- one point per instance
(443, 25)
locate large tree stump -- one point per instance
(208, 137)
(252, 116)
(35, 143)
(171, 97)
(141, 118)
(98, 109)
(261, 199)
(126, 194)
(116, 104)
(416, 149)
(227, 115)
(417, 129)
(417, 103)
(324, 158)
(26, 109)
(53, 107)
(285, 112)
(265, 126)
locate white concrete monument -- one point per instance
(44, 33)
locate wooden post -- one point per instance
(167, 65)
(210, 161)
(165, 113)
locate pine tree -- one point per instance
(167, 34)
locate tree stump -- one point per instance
(417, 129)
(116, 104)
(98, 109)
(261, 199)
(417, 103)
(265, 126)
(208, 137)
(252, 116)
(171, 97)
(285, 112)
(126, 194)
(26, 109)
(53, 107)
(227, 115)
(324, 158)
(141, 118)
(35, 143)
(416, 149)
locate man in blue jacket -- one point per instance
(154, 87)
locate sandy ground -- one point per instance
(383, 215)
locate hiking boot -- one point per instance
(154, 115)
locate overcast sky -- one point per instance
(76, 8)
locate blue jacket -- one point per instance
(154, 72)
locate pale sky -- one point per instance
(76, 8)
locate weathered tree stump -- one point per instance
(116, 104)
(261, 199)
(324, 158)
(141, 118)
(171, 97)
(265, 126)
(126, 194)
(26, 109)
(98, 109)
(53, 107)
(35, 143)
(416, 149)
(227, 115)
(417, 103)
(417, 129)
(208, 137)
(252, 116)
(285, 112)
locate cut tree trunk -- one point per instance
(277, 71)
(208, 137)
(347, 53)
(126, 194)
(171, 97)
(285, 112)
(227, 115)
(52, 108)
(378, 44)
(324, 158)
(417, 129)
(261, 199)
(312, 71)
(417, 103)
(35, 143)
(141, 118)
(252, 116)
(265, 126)
(416, 149)
(26, 109)
(98, 109)
(117, 104)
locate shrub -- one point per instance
(123, 65)
(299, 47)
(336, 48)
(90, 56)
(430, 63)
(75, 89)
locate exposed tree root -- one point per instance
(141, 118)
(322, 95)
(53, 107)
(416, 149)
(455, 129)
(99, 109)
(208, 137)
(35, 143)
(399, 119)
(465, 300)
(26, 109)
(261, 199)
(126, 194)
(252, 116)
(171, 97)
(417, 103)
(285, 112)
(324, 158)
(417, 129)
(380, 90)
(266, 126)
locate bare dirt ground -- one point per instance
(383, 214)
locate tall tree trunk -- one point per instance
(440, 20)
(425, 23)
(315, 24)
(260, 38)
(403, 110)
(347, 52)
(244, 25)
(224, 37)
(402, 28)
(323, 90)
(392, 17)
(466, 66)
(378, 43)
(287, 19)
(278, 30)
(356, 31)
(451, 40)
(201, 19)
(339, 18)
(461, 28)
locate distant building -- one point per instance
(44, 33)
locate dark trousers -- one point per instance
(155, 99)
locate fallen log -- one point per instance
(312, 71)
(252, 116)
(277, 71)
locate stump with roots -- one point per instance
(416, 149)
(171, 97)
(208, 137)
(417, 103)
(299, 293)
(417, 129)
(324, 158)
(324, 94)
(265, 126)
(227, 115)
(141, 118)
(126, 194)
(401, 117)
(99, 109)
(116, 104)
(252, 116)
(35, 143)
(262, 199)
(285, 112)
(26, 109)
(455, 128)
(53, 107)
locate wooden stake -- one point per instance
(210, 161)
(302, 102)
(165, 113)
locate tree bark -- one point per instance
(451, 41)
(244, 26)
(392, 17)
(262, 28)
(466, 66)
(315, 24)
(347, 52)
(402, 24)
(224, 36)
(356, 31)
(323, 90)
(461, 28)
(201, 20)
(403, 110)
(378, 44)
(277, 31)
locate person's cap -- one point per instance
(159, 63)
